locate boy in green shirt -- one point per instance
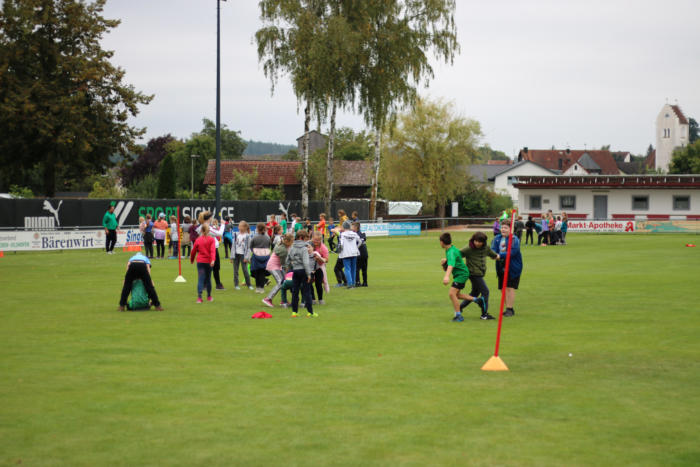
(455, 266)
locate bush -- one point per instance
(146, 187)
(21, 191)
(482, 202)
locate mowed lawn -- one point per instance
(382, 377)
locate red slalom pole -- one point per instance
(495, 363)
(179, 277)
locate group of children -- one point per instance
(474, 270)
(550, 230)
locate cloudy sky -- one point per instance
(534, 73)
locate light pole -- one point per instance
(193, 157)
(218, 108)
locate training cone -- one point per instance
(2, 254)
(494, 364)
(180, 279)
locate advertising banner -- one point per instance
(375, 230)
(49, 214)
(404, 228)
(601, 226)
(391, 229)
(45, 240)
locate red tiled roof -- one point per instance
(679, 113)
(352, 173)
(549, 158)
(650, 161)
(269, 172)
(499, 162)
(346, 173)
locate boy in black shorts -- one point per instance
(500, 246)
(455, 266)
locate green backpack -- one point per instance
(139, 297)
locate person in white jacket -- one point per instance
(349, 243)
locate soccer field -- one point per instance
(382, 377)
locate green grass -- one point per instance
(382, 377)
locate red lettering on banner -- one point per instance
(629, 227)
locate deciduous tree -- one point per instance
(64, 108)
(427, 154)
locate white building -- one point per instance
(672, 131)
(612, 196)
(504, 182)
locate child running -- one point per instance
(299, 263)
(274, 266)
(475, 254)
(455, 266)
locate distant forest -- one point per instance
(258, 148)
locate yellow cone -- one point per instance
(494, 364)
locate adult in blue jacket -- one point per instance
(500, 246)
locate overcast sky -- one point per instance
(534, 73)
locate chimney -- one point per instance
(568, 151)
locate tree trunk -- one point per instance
(305, 164)
(329, 164)
(441, 215)
(375, 176)
(50, 174)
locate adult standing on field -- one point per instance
(109, 222)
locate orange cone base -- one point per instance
(2, 254)
(494, 364)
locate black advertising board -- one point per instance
(52, 213)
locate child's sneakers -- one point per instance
(487, 316)
(199, 299)
(268, 302)
(458, 318)
(312, 315)
(509, 312)
(210, 298)
(294, 314)
(284, 304)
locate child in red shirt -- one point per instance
(204, 250)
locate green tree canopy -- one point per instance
(166, 179)
(64, 108)
(232, 145)
(686, 160)
(427, 154)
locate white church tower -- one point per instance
(672, 131)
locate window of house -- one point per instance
(512, 179)
(681, 203)
(535, 202)
(567, 202)
(640, 203)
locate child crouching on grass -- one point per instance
(455, 266)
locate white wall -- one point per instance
(619, 200)
(575, 169)
(670, 134)
(501, 185)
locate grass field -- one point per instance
(382, 377)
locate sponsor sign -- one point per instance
(375, 230)
(391, 229)
(43, 240)
(404, 228)
(601, 226)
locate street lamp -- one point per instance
(193, 157)
(218, 108)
